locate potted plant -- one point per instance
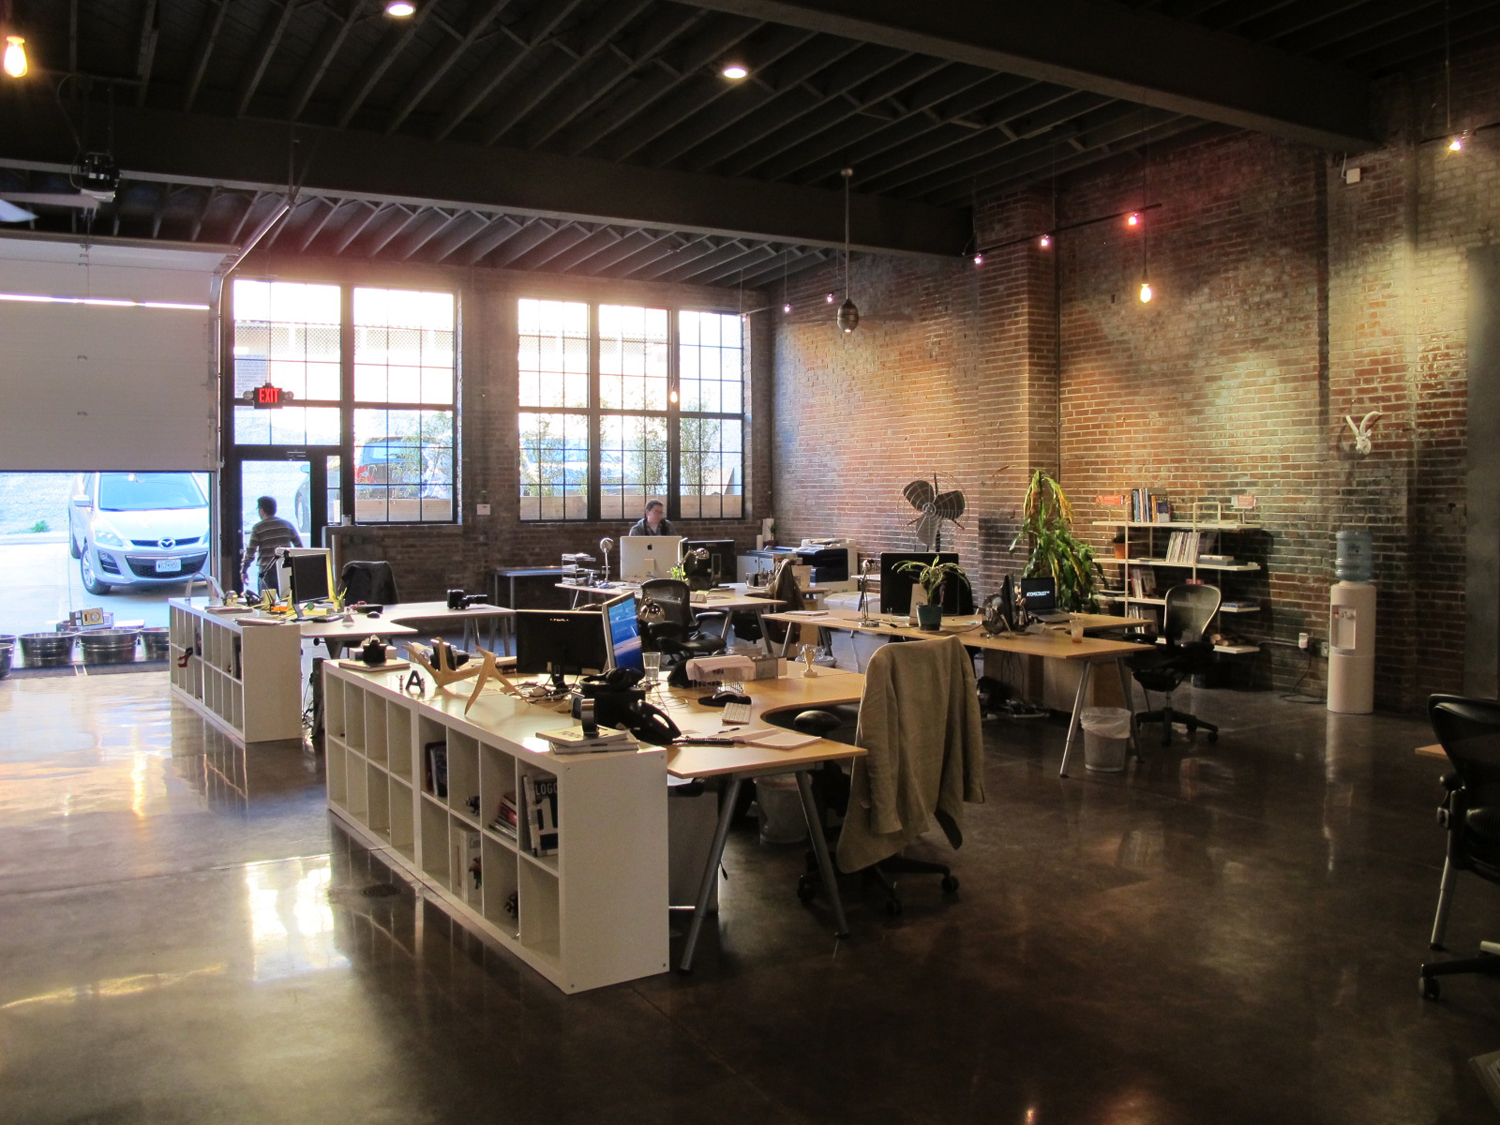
(933, 577)
(1047, 532)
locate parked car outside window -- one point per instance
(137, 529)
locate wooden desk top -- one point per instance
(1054, 644)
(717, 600)
(439, 611)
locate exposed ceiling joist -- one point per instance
(1111, 50)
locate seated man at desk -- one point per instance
(265, 537)
(654, 522)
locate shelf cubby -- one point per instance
(246, 679)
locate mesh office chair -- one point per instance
(372, 582)
(670, 624)
(919, 723)
(1186, 653)
(1469, 730)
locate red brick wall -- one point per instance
(1286, 298)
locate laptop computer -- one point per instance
(1040, 598)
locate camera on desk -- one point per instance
(457, 599)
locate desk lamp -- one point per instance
(606, 545)
(864, 593)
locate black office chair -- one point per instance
(372, 582)
(1189, 610)
(671, 625)
(1469, 730)
(945, 759)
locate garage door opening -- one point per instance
(121, 543)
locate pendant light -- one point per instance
(848, 311)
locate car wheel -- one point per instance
(91, 581)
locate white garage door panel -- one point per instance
(86, 387)
(127, 283)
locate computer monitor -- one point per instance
(623, 631)
(644, 557)
(721, 556)
(307, 575)
(895, 585)
(560, 642)
(1039, 595)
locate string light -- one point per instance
(16, 64)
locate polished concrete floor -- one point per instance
(1227, 933)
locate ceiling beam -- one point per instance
(1136, 55)
(251, 154)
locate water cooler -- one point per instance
(1351, 627)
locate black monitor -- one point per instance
(560, 642)
(308, 577)
(895, 585)
(622, 629)
(721, 556)
(1039, 594)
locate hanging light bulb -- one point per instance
(1146, 293)
(400, 9)
(1133, 219)
(848, 318)
(16, 64)
(979, 259)
(786, 308)
(1459, 141)
(1045, 241)
(830, 298)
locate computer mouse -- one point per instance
(373, 613)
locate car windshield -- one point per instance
(149, 492)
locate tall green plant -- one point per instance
(1047, 533)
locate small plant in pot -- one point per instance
(933, 577)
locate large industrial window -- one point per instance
(373, 373)
(620, 404)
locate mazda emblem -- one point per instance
(167, 544)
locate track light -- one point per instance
(1045, 241)
(400, 9)
(829, 298)
(1146, 293)
(735, 71)
(1133, 219)
(1459, 141)
(16, 64)
(979, 259)
(786, 308)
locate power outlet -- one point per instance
(1323, 648)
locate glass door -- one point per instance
(305, 484)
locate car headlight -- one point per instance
(106, 536)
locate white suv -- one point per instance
(137, 529)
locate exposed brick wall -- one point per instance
(1286, 299)
(431, 559)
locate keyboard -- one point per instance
(736, 714)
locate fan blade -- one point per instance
(919, 493)
(949, 505)
(54, 199)
(9, 213)
(928, 527)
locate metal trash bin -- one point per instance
(1106, 738)
(47, 650)
(108, 646)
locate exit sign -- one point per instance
(267, 397)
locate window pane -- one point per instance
(286, 425)
(404, 346)
(711, 359)
(554, 466)
(712, 468)
(287, 332)
(553, 353)
(632, 463)
(403, 465)
(632, 358)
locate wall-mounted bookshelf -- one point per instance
(422, 783)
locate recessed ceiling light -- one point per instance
(735, 71)
(400, 9)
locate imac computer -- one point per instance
(644, 557)
(306, 574)
(623, 632)
(559, 643)
(896, 584)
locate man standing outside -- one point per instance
(266, 536)
(654, 522)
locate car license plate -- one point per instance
(168, 566)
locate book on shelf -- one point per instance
(1143, 582)
(540, 793)
(437, 768)
(468, 873)
(505, 821)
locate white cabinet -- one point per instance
(595, 913)
(246, 679)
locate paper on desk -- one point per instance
(779, 739)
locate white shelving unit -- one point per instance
(1140, 534)
(595, 913)
(245, 679)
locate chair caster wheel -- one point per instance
(805, 888)
(1431, 990)
(949, 884)
(1213, 736)
(893, 907)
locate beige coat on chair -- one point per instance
(919, 722)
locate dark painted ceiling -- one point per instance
(598, 138)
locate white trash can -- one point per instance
(1106, 738)
(781, 819)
